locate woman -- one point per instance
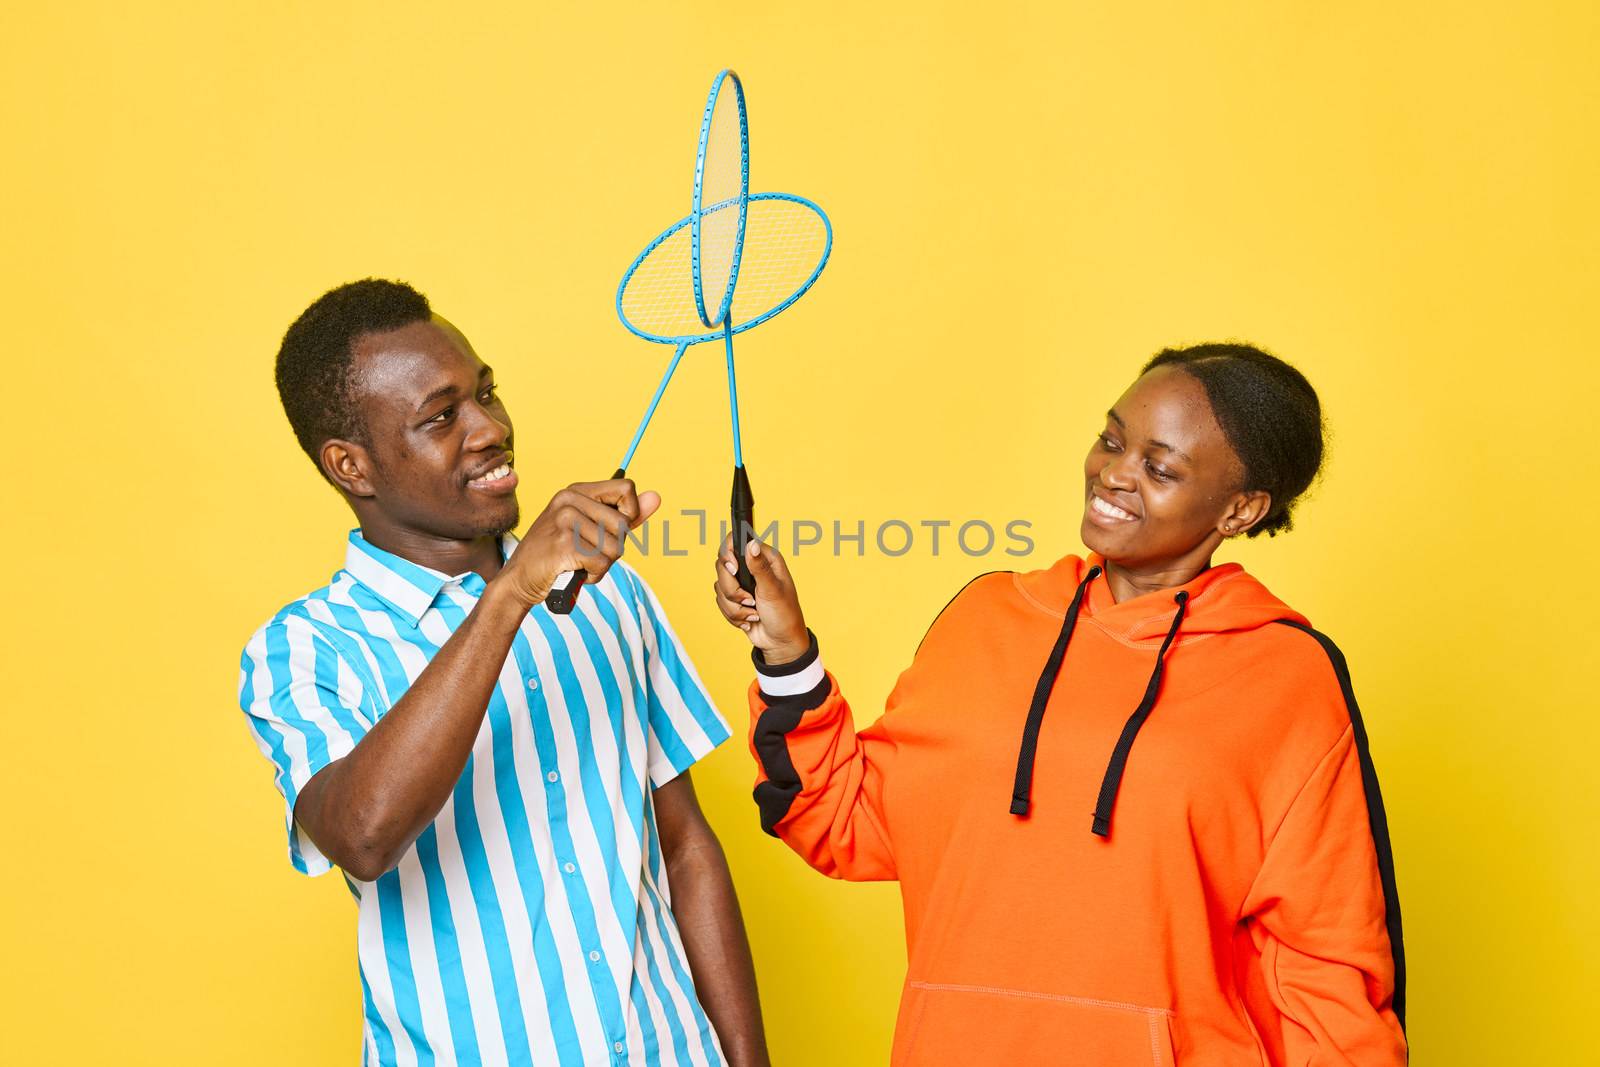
(1165, 846)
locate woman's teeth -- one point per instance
(1109, 510)
(496, 474)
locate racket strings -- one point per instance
(723, 180)
(786, 242)
(782, 248)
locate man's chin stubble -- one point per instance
(502, 527)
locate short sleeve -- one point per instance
(684, 723)
(306, 707)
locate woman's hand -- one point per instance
(771, 618)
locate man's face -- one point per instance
(439, 437)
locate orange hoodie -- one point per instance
(1167, 847)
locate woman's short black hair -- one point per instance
(313, 368)
(1270, 414)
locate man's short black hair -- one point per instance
(1270, 414)
(314, 360)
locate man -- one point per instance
(505, 789)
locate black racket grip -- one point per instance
(564, 596)
(744, 527)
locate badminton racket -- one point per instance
(734, 262)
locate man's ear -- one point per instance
(348, 466)
(1246, 510)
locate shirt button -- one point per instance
(553, 776)
(533, 683)
(617, 1047)
(569, 868)
(594, 957)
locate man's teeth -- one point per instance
(1109, 510)
(496, 474)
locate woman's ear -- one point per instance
(1245, 511)
(348, 466)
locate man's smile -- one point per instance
(499, 479)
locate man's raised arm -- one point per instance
(365, 809)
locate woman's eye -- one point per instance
(1161, 474)
(1108, 443)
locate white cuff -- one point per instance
(791, 685)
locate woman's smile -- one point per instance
(1102, 511)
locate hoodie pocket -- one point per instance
(981, 1025)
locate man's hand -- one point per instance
(583, 528)
(771, 617)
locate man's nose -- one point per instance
(486, 431)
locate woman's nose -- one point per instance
(1116, 474)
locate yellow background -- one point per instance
(1029, 200)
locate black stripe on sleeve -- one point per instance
(771, 740)
(1376, 815)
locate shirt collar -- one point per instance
(408, 588)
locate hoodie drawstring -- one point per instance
(1119, 755)
(1022, 787)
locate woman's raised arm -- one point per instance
(819, 783)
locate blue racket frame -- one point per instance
(697, 208)
(563, 595)
(712, 335)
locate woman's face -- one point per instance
(1162, 484)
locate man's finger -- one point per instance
(599, 516)
(649, 501)
(637, 509)
(583, 522)
(621, 494)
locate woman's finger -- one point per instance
(733, 610)
(728, 585)
(773, 558)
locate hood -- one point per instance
(1221, 599)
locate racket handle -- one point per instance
(563, 595)
(744, 524)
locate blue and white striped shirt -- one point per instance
(531, 922)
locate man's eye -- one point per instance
(490, 394)
(444, 416)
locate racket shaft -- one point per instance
(744, 524)
(563, 595)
